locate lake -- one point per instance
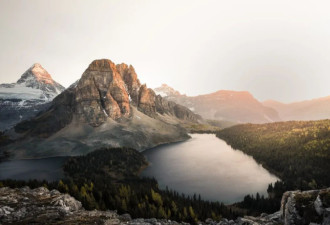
(203, 165)
(49, 169)
(206, 165)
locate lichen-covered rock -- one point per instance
(306, 207)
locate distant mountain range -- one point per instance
(107, 107)
(242, 107)
(235, 106)
(315, 109)
(31, 94)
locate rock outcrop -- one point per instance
(307, 207)
(31, 94)
(40, 206)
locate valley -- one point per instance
(112, 143)
(164, 112)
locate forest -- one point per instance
(109, 179)
(298, 152)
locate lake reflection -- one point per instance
(206, 165)
(49, 169)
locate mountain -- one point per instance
(315, 109)
(108, 106)
(235, 106)
(28, 96)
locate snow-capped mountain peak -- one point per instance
(36, 73)
(30, 94)
(36, 77)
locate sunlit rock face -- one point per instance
(101, 93)
(146, 102)
(129, 76)
(109, 90)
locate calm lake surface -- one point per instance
(49, 169)
(206, 165)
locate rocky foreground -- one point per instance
(41, 206)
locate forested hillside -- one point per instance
(298, 152)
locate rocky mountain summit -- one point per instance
(40, 206)
(234, 106)
(27, 97)
(108, 106)
(37, 77)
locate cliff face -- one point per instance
(40, 206)
(101, 93)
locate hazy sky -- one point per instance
(274, 49)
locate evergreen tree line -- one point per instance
(108, 179)
(298, 152)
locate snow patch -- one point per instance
(21, 103)
(105, 113)
(20, 92)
